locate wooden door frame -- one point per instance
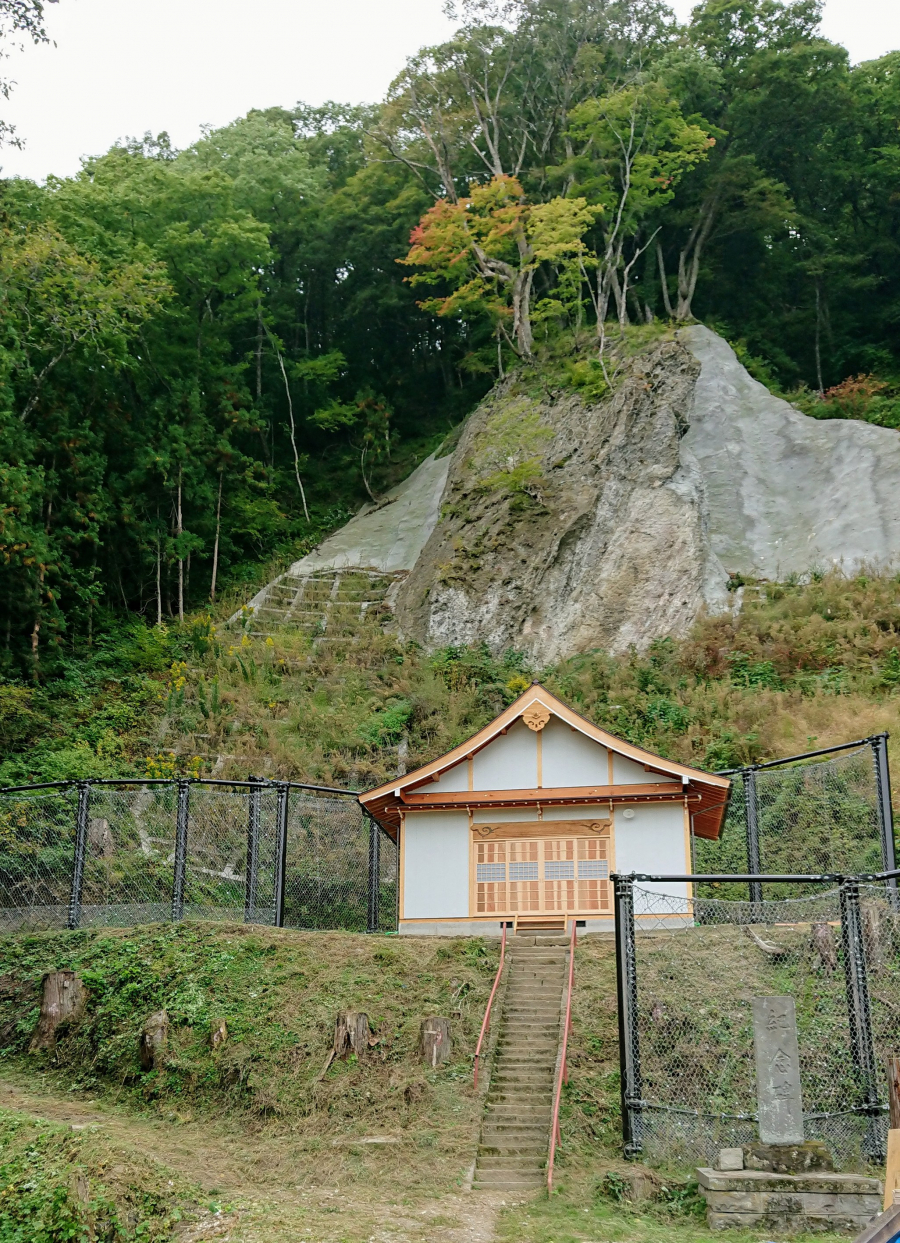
(523, 830)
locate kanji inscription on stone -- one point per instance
(777, 1070)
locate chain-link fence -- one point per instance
(121, 853)
(807, 814)
(689, 969)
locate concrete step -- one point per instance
(517, 1162)
(500, 1111)
(521, 1100)
(503, 1180)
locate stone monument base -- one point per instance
(788, 1202)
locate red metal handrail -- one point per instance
(487, 1013)
(563, 1076)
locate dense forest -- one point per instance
(209, 357)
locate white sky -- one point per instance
(121, 67)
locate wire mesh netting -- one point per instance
(37, 837)
(230, 860)
(95, 854)
(329, 863)
(698, 964)
(130, 850)
(813, 817)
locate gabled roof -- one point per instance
(707, 793)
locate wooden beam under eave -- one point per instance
(652, 791)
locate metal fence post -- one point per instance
(373, 919)
(281, 828)
(859, 1013)
(629, 1040)
(251, 870)
(751, 819)
(81, 835)
(885, 813)
(181, 842)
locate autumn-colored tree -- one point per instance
(487, 247)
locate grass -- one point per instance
(56, 1184)
(277, 993)
(258, 1135)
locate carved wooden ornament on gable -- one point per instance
(536, 716)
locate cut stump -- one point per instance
(63, 1000)
(434, 1041)
(351, 1033)
(153, 1042)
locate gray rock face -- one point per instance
(786, 492)
(389, 536)
(567, 526)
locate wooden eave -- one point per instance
(706, 793)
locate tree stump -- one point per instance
(218, 1035)
(434, 1041)
(63, 1000)
(100, 839)
(351, 1033)
(873, 933)
(823, 947)
(154, 1038)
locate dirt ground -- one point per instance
(260, 1184)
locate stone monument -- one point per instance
(783, 1182)
(777, 1070)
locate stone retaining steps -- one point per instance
(515, 1129)
(330, 605)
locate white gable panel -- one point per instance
(629, 773)
(571, 759)
(653, 840)
(509, 762)
(507, 815)
(455, 778)
(579, 812)
(436, 865)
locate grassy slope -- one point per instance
(259, 1129)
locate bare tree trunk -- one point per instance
(362, 467)
(522, 311)
(287, 393)
(179, 528)
(215, 564)
(63, 1001)
(689, 259)
(36, 628)
(667, 301)
(159, 610)
(618, 294)
(821, 386)
(259, 349)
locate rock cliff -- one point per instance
(562, 523)
(567, 525)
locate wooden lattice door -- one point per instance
(554, 875)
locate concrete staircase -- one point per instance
(515, 1129)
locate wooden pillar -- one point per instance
(892, 1171)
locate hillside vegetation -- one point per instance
(795, 666)
(209, 357)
